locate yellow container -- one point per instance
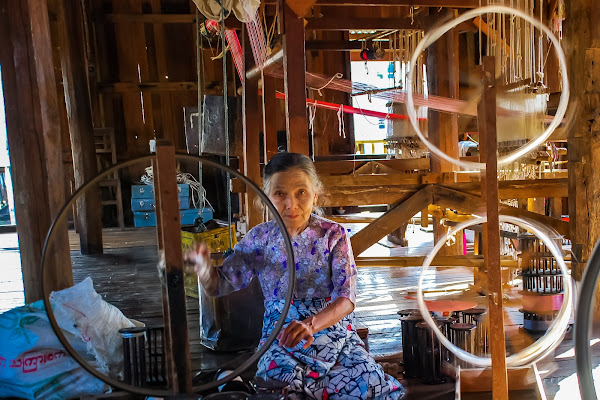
(217, 241)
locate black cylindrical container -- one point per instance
(409, 311)
(444, 324)
(430, 355)
(134, 356)
(469, 314)
(462, 335)
(143, 356)
(410, 345)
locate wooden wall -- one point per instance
(133, 54)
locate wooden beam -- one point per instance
(381, 192)
(300, 7)
(333, 45)
(150, 18)
(523, 189)
(508, 189)
(32, 121)
(134, 87)
(342, 190)
(343, 167)
(251, 135)
(472, 204)
(294, 65)
(402, 3)
(81, 130)
(384, 180)
(176, 321)
(391, 220)
(363, 23)
(125, 18)
(405, 3)
(336, 197)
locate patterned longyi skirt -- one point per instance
(335, 366)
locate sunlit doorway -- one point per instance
(11, 277)
(7, 205)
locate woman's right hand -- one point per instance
(197, 258)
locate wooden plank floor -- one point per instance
(126, 276)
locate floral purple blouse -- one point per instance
(325, 265)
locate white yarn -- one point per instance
(198, 193)
(436, 34)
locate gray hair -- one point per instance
(282, 162)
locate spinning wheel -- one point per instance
(583, 315)
(174, 281)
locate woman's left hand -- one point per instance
(295, 332)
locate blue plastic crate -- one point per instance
(187, 217)
(147, 191)
(143, 204)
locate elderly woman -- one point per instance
(318, 352)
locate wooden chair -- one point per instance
(106, 156)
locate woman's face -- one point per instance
(293, 194)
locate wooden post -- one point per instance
(583, 54)
(270, 110)
(487, 130)
(32, 121)
(167, 343)
(81, 130)
(443, 80)
(425, 217)
(294, 67)
(555, 208)
(165, 181)
(537, 205)
(251, 139)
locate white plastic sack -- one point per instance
(33, 363)
(244, 10)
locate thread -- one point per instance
(437, 33)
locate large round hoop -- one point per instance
(539, 348)
(60, 218)
(583, 315)
(437, 33)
